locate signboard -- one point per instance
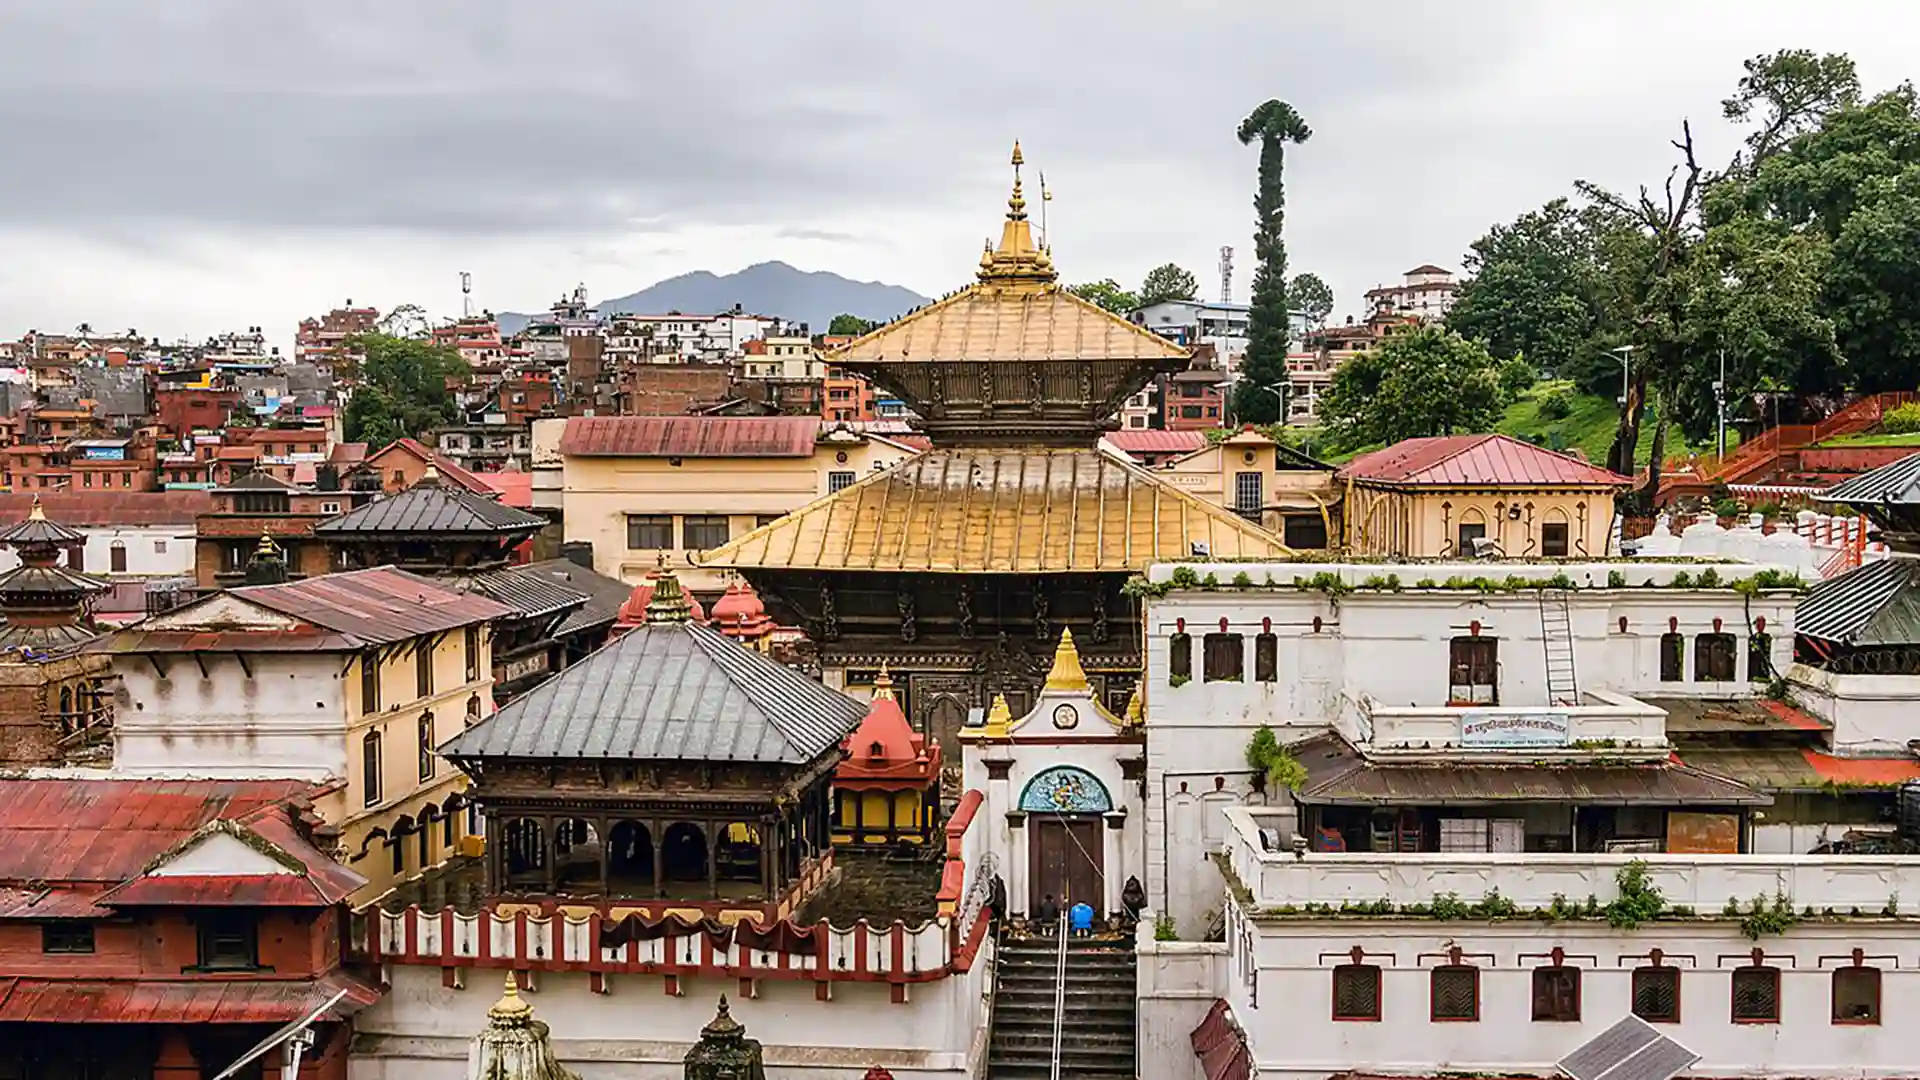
(1509, 729)
(1690, 833)
(523, 667)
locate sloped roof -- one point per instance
(83, 508)
(668, 692)
(450, 470)
(1000, 511)
(604, 594)
(257, 480)
(291, 871)
(690, 436)
(1138, 441)
(186, 1000)
(430, 507)
(1877, 603)
(37, 529)
(1897, 482)
(1477, 461)
(987, 321)
(531, 594)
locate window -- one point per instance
(839, 479)
(1553, 539)
(473, 710)
(1469, 532)
(1304, 531)
(1266, 658)
(1713, 658)
(1556, 995)
(649, 532)
(1656, 994)
(470, 645)
(66, 937)
(1760, 657)
(1673, 658)
(329, 507)
(229, 939)
(117, 558)
(370, 682)
(1225, 657)
(1213, 412)
(1180, 658)
(1455, 990)
(423, 669)
(1190, 412)
(1756, 995)
(77, 559)
(761, 521)
(1248, 494)
(426, 746)
(1856, 995)
(1474, 663)
(701, 532)
(1356, 992)
(370, 767)
(159, 547)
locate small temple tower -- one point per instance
(1063, 791)
(887, 791)
(513, 1045)
(54, 706)
(724, 1052)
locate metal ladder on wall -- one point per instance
(1556, 637)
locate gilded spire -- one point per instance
(1018, 260)
(883, 684)
(999, 719)
(266, 549)
(510, 1007)
(668, 604)
(1136, 711)
(36, 514)
(1067, 674)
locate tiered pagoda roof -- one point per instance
(45, 603)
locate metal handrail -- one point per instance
(1060, 993)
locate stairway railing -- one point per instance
(1060, 994)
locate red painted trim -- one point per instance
(860, 947)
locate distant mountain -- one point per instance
(768, 288)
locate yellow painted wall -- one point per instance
(1210, 474)
(1425, 523)
(601, 491)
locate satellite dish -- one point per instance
(296, 1037)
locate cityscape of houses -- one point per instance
(971, 697)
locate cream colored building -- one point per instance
(652, 491)
(1457, 496)
(1266, 483)
(782, 355)
(353, 678)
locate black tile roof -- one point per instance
(429, 507)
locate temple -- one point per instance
(959, 568)
(887, 791)
(54, 706)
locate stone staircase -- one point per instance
(1097, 1033)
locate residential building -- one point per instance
(648, 492)
(1265, 482)
(545, 338)
(1467, 495)
(1152, 448)
(634, 338)
(323, 340)
(164, 928)
(786, 352)
(351, 679)
(1425, 292)
(258, 506)
(401, 464)
(846, 398)
(135, 534)
(1195, 399)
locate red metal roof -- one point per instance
(515, 488)
(1478, 460)
(690, 436)
(84, 508)
(66, 831)
(230, 890)
(1135, 441)
(378, 606)
(238, 453)
(179, 1001)
(1866, 771)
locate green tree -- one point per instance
(1533, 287)
(1167, 282)
(1423, 381)
(1273, 125)
(844, 325)
(1308, 294)
(1789, 94)
(1108, 294)
(403, 389)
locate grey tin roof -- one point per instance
(604, 594)
(669, 692)
(429, 507)
(1876, 604)
(530, 593)
(1897, 482)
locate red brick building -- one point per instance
(160, 929)
(179, 411)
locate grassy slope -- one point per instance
(1869, 439)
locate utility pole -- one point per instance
(1720, 408)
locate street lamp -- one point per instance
(1720, 409)
(1622, 352)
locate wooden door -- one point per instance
(1066, 860)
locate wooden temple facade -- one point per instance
(958, 569)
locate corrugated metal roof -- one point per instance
(106, 831)
(1877, 603)
(531, 594)
(181, 1001)
(380, 606)
(604, 594)
(1478, 460)
(1800, 769)
(1000, 511)
(39, 530)
(1133, 441)
(1737, 716)
(430, 507)
(84, 508)
(1896, 482)
(690, 436)
(669, 692)
(990, 322)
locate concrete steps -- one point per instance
(1098, 1025)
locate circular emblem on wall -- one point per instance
(1065, 717)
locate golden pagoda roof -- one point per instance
(1016, 312)
(989, 510)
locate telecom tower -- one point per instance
(1226, 275)
(466, 295)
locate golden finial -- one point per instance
(1018, 260)
(1067, 674)
(1136, 711)
(510, 1007)
(1018, 159)
(267, 549)
(883, 684)
(36, 514)
(999, 719)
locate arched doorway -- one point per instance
(576, 849)
(1066, 845)
(683, 853)
(525, 852)
(736, 852)
(629, 858)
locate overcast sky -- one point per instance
(197, 165)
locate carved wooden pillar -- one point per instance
(552, 840)
(491, 828)
(606, 855)
(657, 841)
(713, 860)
